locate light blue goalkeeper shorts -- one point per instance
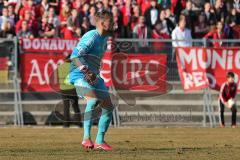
(83, 88)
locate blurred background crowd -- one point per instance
(132, 18)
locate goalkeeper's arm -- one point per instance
(90, 77)
(78, 55)
(78, 64)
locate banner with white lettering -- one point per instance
(40, 59)
(147, 72)
(36, 70)
(206, 67)
(51, 45)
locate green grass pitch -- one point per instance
(128, 144)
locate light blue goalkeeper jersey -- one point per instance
(90, 51)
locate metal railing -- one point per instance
(11, 46)
(148, 46)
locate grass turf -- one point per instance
(128, 143)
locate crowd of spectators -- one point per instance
(132, 18)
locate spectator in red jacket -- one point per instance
(227, 98)
(173, 5)
(19, 5)
(32, 24)
(25, 32)
(73, 26)
(63, 3)
(65, 12)
(217, 34)
(77, 4)
(144, 5)
(126, 12)
(69, 31)
(41, 8)
(28, 7)
(159, 33)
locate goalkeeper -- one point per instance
(227, 97)
(84, 75)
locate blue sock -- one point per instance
(88, 118)
(103, 125)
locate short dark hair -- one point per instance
(104, 14)
(230, 75)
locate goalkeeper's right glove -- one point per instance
(90, 77)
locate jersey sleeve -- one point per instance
(85, 45)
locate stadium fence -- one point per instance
(127, 46)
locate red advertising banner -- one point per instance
(135, 71)
(39, 59)
(36, 70)
(206, 67)
(123, 71)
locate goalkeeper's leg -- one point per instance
(104, 121)
(103, 125)
(85, 90)
(106, 115)
(87, 124)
